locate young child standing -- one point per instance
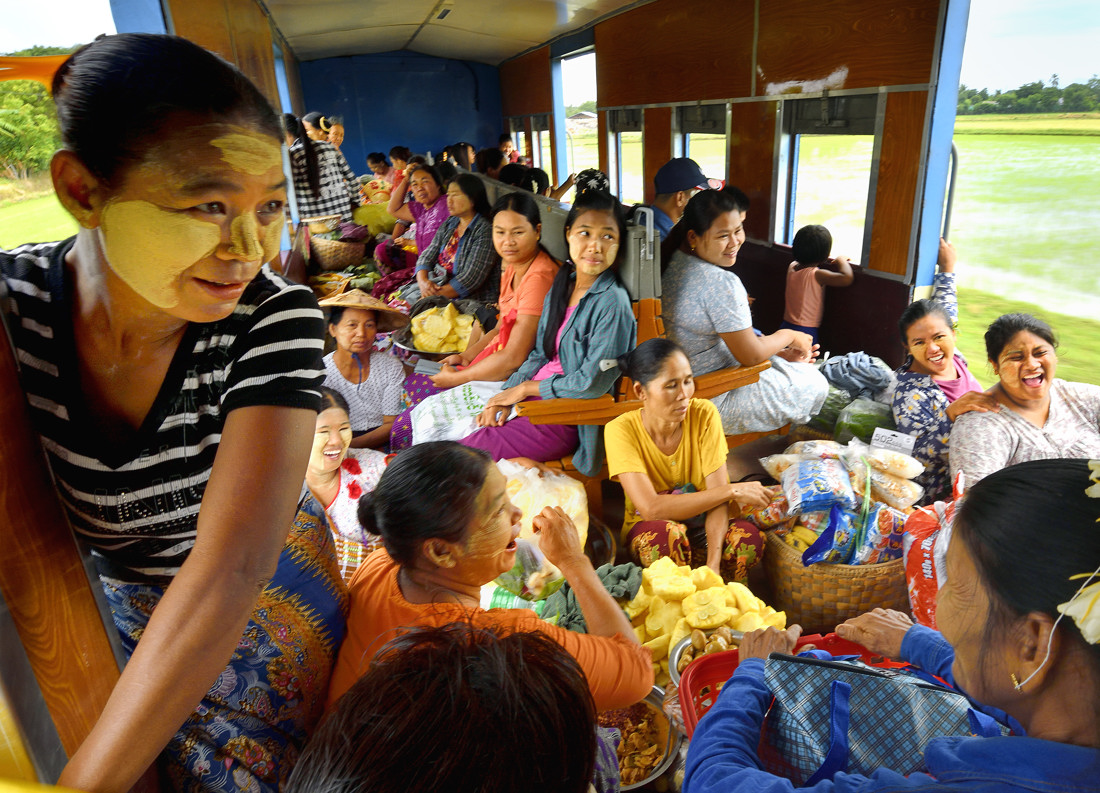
(807, 278)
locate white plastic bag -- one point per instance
(452, 414)
(533, 577)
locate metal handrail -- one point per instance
(950, 190)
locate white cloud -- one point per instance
(53, 23)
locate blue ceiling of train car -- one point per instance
(488, 31)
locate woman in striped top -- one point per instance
(174, 381)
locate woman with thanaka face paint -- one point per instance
(587, 320)
(338, 476)
(174, 381)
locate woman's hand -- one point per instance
(947, 257)
(801, 349)
(535, 465)
(428, 288)
(499, 406)
(749, 494)
(880, 631)
(454, 360)
(973, 401)
(558, 537)
(762, 643)
(447, 377)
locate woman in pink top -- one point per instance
(427, 210)
(807, 279)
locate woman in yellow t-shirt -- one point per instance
(670, 457)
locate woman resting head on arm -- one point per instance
(428, 210)
(492, 706)
(706, 311)
(185, 369)
(670, 457)
(448, 529)
(1020, 629)
(1040, 416)
(370, 381)
(586, 320)
(934, 385)
(338, 476)
(528, 271)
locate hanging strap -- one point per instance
(836, 759)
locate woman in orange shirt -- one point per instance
(448, 529)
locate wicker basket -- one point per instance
(821, 596)
(335, 254)
(322, 224)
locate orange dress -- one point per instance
(619, 671)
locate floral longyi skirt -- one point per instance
(248, 730)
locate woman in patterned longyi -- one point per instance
(174, 380)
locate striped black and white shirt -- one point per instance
(339, 187)
(136, 502)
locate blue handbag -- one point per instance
(842, 715)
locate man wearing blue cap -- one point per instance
(676, 181)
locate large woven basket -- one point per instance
(335, 254)
(322, 223)
(821, 596)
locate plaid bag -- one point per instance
(832, 716)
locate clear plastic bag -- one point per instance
(861, 418)
(815, 485)
(533, 577)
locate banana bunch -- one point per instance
(800, 538)
(675, 600)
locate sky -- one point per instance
(1009, 42)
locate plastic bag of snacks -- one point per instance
(815, 485)
(892, 490)
(771, 515)
(823, 450)
(927, 534)
(776, 464)
(814, 521)
(861, 418)
(881, 536)
(836, 542)
(533, 577)
(889, 462)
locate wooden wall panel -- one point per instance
(42, 576)
(293, 81)
(694, 50)
(752, 141)
(525, 86)
(235, 29)
(896, 192)
(657, 145)
(861, 43)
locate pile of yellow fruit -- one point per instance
(442, 330)
(674, 600)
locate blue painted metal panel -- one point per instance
(405, 99)
(945, 101)
(138, 16)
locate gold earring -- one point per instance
(1016, 684)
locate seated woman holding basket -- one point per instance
(1020, 633)
(670, 457)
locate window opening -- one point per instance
(625, 128)
(832, 142)
(581, 144)
(703, 135)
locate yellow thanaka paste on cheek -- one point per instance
(149, 247)
(345, 436)
(249, 152)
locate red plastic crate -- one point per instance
(703, 678)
